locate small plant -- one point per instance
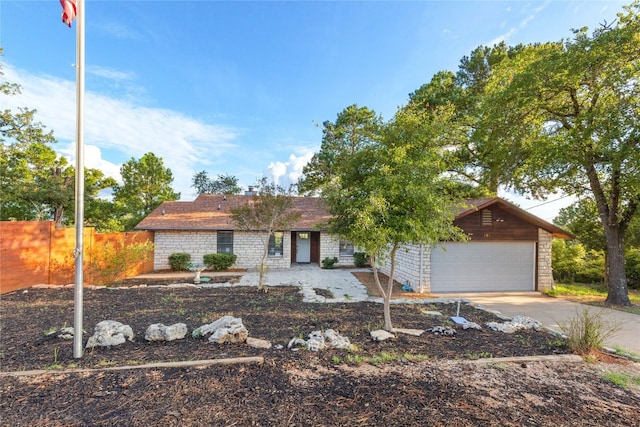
(360, 259)
(55, 364)
(219, 262)
(328, 263)
(387, 357)
(524, 339)
(336, 360)
(52, 330)
(415, 357)
(355, 359)
(588, 330)
(622, 380)
(180, 261)
(348, 297)
(481, 355)
(557, 342)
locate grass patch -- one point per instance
(622, 380)
(592, 294)
(628, 354)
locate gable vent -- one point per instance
(487, 217)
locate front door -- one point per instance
(303, 246)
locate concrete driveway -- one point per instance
(551, 311)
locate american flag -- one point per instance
(68, 11)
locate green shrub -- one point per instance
(219, 262)
(587, 331)
(108, 264)
(180, 261)
(632, 265)
(567, 259)
(360, 259)
(592, 269)
(328, 262)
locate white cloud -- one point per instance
(530, 16)
(290, 171)
(109, 73)
(184, 143)
(117, 30)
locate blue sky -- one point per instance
(240, 87)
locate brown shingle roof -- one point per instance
(213, 212)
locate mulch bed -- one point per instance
(404, 381)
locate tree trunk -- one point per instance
(387, 298)
(263, 266)
(58, 216)
(618, 291)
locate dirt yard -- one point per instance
(410, 380)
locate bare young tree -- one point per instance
(270, 209)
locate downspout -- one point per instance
(421, 268)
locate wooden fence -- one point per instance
(34, 252)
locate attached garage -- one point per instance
(483, 267)
(507, 250)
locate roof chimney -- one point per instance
(250, 191)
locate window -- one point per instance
(346, 248)
(225, 242)
(487, 217)
(275, 243)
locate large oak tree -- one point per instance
(564, 116)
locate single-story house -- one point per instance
(509, 249)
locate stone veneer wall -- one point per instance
(330, 247)
(248, 246)
(408, 261)
(545, 270)
(195, 243)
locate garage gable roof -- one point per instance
(475, 205)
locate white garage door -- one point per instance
(483, 267)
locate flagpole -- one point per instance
(79, 193)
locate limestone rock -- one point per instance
(258, 343)
(515, 324)
(319, 340)
(431, 313)
(381, 335)
(443, 330)
(108, 333)
(336, 340)
(160, 332)
(66, 333)
(471, 325)
(414, 332)
(226, 329)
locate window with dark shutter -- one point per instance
(225, 242)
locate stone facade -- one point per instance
(413, 262)
(248, 247)
(545, 272)
(413, 265)
(330, 248)
(195, 243)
